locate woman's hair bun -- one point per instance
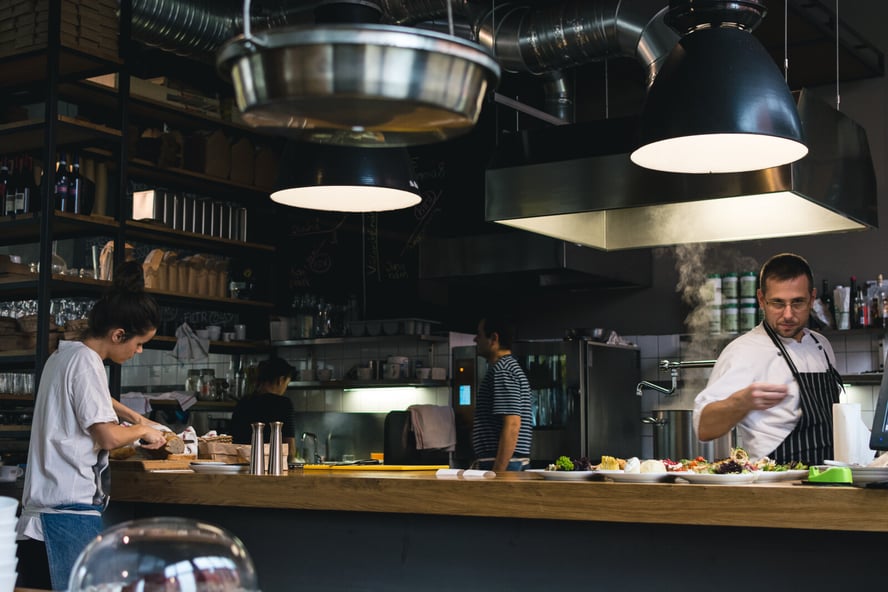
(128, 277)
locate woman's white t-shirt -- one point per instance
(64, 464)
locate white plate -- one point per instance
(219, 467)
(624, 477)
(869, 474)
(768, 476)
(715, 479)
(564, 475)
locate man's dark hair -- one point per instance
(502, 326)
(785, 266)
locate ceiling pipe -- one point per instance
(523, 38)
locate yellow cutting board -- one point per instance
(375, 467)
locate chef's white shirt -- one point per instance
(63, 460)
(753, 357)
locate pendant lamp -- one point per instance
(345, 178)
(719, 104)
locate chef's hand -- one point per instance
(152, 439)
(763, 395)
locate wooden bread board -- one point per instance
(175, 461)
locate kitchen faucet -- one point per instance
(314, 440)
(673, 372)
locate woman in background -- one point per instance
(267, 404)
(76, 423)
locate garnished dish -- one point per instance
(736, 468)
(566, 469)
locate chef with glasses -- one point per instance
(776, 383)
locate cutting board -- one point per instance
(375, 467)
(176, 461)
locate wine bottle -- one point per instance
(61, 184)
(4, 188)
(75, 187)
(29, 192)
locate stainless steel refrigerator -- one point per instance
(583, 395)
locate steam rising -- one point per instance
(694, 262)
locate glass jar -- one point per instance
(192, 383)
(207, 385)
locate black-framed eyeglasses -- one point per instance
(797, 305)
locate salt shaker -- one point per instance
(257, 450)
(274, 449)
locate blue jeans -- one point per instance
(65, 537)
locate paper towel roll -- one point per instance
(449, 473)
(478, 474)
(850, 435)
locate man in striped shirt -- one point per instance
(503, 426)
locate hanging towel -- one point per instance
(189, 347)
(433, 426)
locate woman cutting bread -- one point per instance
(76, 422)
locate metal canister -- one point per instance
(257, 449)
(275, 462)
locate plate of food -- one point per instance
(788, 475)
(219, 467)
(564, 475)
(623, 477)
(717, 478)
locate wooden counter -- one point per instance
(773, 505)
(403, 531)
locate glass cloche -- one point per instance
(164, 555)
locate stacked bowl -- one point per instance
(8, 559)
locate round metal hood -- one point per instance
(359, 85)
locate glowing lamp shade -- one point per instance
(346, 179)
(719, 105)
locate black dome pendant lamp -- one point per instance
(720, 103)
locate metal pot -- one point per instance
(674, 437)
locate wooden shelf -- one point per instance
(28, 135)
(155, 231)
(199, 406)
(349, 339)
(364, 384)
(166, 342)
(29, 67)
(26, 227)
(149, 171)
(147, 108)
(185, 299)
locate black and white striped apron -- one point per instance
(811, 440)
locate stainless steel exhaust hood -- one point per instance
(605, 201)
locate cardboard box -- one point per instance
(265, 167)
(242, 161)
(208, 153)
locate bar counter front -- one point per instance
(408, 530)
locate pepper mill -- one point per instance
(274, 449)
(257, 450)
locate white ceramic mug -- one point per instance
(10, 473)
(214, 331)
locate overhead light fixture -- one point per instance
(345, 178)
(358, 84)
(605, 201)
(719, 104)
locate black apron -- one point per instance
(811, 441)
